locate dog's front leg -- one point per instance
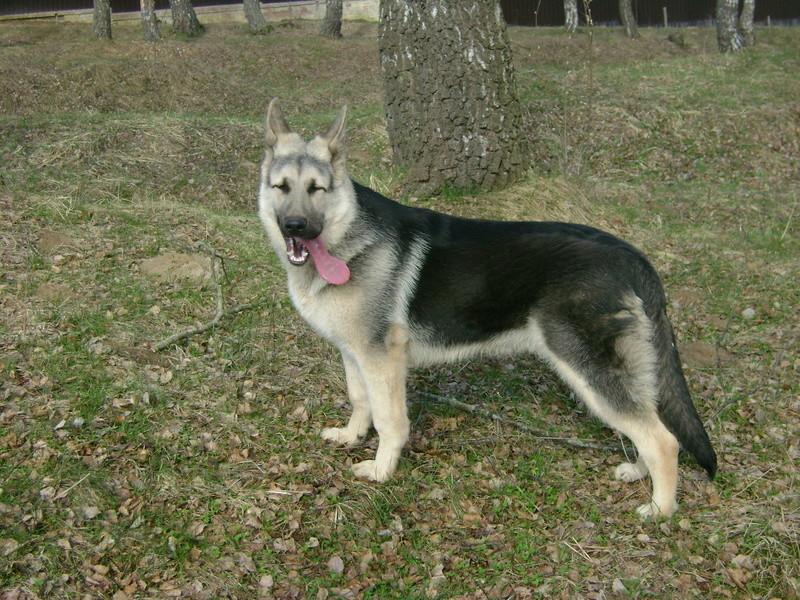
(361, 417)
(384, 375)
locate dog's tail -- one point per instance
(675, 407)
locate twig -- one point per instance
(540, 433)
(205, 327)
(218, 315)
(63, 493)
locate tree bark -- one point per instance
(184, 18)
(628, 19)
(746, 28)
(101, 20)
(571, 16)
(332, 24)
(255, 16)
(149, 21)
(451, 107)
(728, 37)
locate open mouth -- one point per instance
(297, 251)
(331, 269)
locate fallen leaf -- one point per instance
(7, 546)
(90, 512)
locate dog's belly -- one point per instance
(524, 340)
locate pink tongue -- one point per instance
(331, 269)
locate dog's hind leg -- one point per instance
(658, 455)
(385, 380)
(361, 417)
(614, 375)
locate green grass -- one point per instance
(203, 461)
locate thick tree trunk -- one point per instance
(451, 106)
(149, 21)
(101, 20)
(332, 24)
(184, 19)
(746, 28)
(628, 19)
(571, 16)
(255, 17)
(728, 37)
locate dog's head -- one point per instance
(306, 198)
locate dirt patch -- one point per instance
(53, 292)
(172, 267)
(700, 355)
(53, 242)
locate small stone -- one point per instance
(336, 565)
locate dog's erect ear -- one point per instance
(335, 139)
(275, 124)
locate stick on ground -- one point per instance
(219, 313)
(540, 433)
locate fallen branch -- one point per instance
(539, 433)
(219, 313)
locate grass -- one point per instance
(197, 472)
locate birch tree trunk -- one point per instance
(728, 37)
(184, 19)
(628, 19)
(255, 17)
(746, 28)
(149, 21)
(332, 24)
(571, 16)
(451, 106)
(101, 20)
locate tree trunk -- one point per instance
(101, 20)
(746, 28)
(184, 19)
(451, 106)
(728, 37)
(628, 19)
(149, 21)
(332, 25)
(571, 16)
(255, 17)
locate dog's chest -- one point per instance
(333, 312)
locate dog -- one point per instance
(393, 287)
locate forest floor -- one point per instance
(197, 471)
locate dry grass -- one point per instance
(197, 472)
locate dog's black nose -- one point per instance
(295, 226)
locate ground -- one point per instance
(127, 197)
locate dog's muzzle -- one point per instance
(296, 229)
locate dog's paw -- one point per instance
(340, 435)
(651, 510)
(630, 472)
(371, 471)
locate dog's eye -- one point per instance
(313, 187)
(284, 187)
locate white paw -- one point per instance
(340, 435)
(629, 472)
(651, 510)
(371, 471)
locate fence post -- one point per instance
(666, 21)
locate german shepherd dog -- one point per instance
(394, 287)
